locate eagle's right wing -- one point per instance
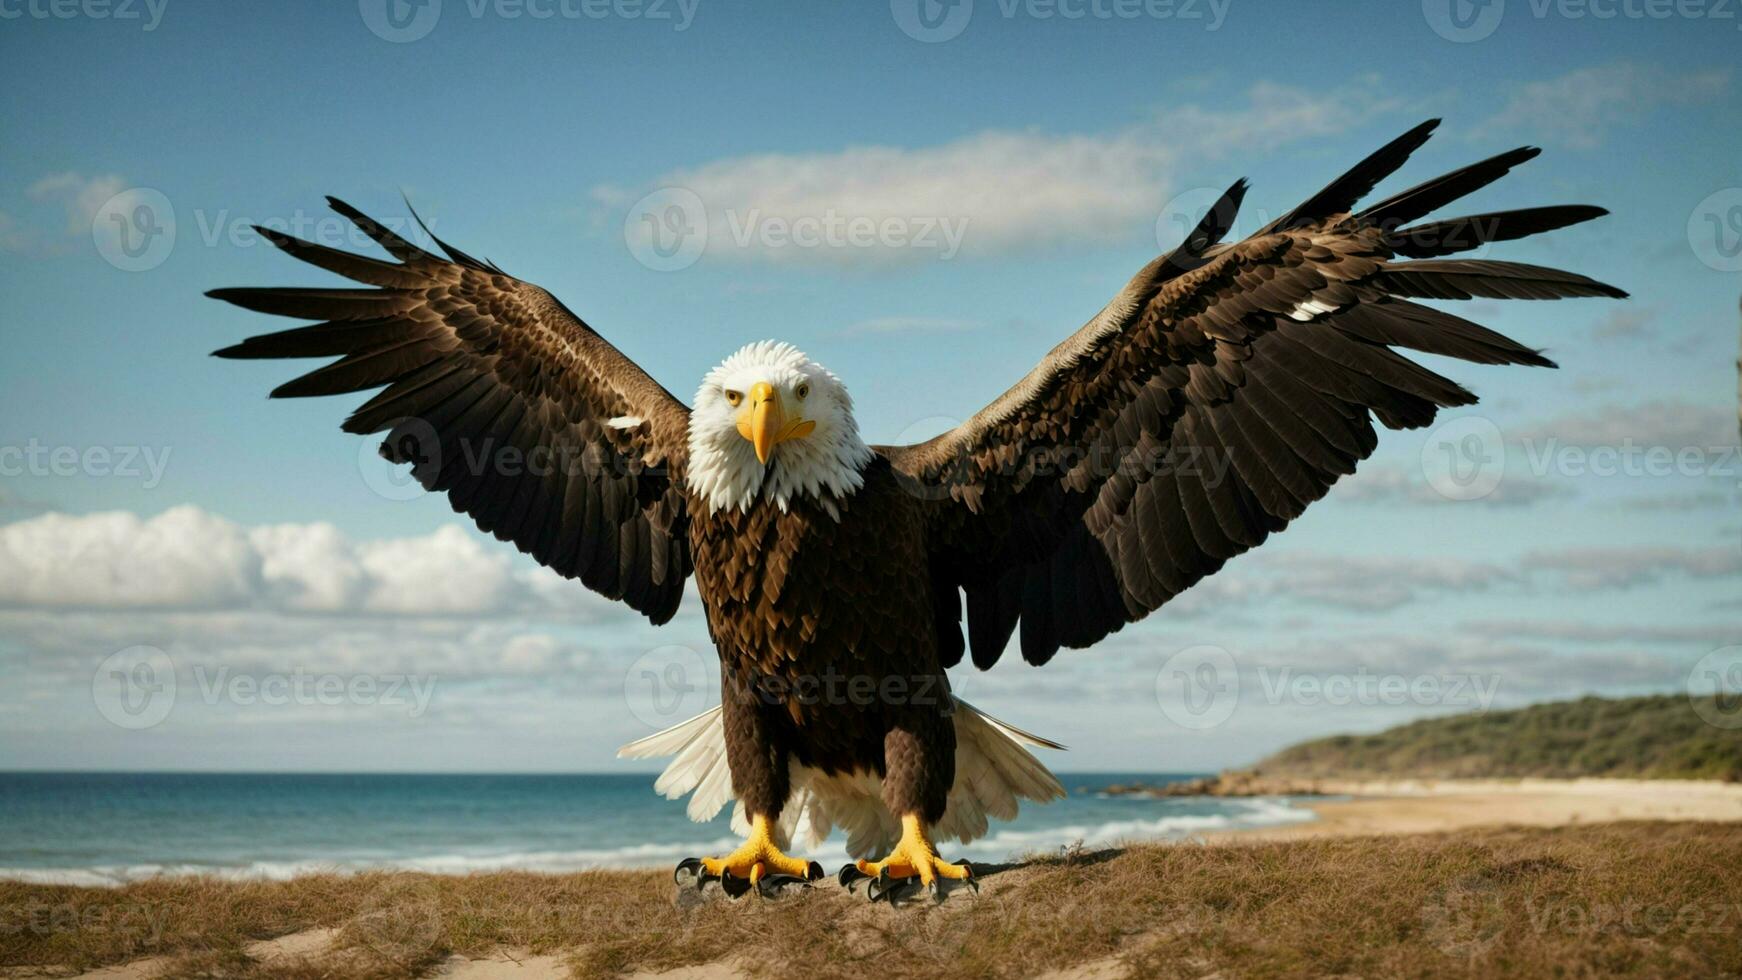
(500, 397)
(1222, 391)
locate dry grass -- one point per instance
(1615, 900)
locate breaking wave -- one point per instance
(1002, 844)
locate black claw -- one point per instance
(879, 888)
(695, 867)
(884, 887)
(772, 885)
(940, 889)
(813, 872)
(734, 886)
(891, 890)
(849, 875)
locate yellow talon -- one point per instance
(915, 855)
(758, 858)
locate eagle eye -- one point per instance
(804, 391)
(734, 397)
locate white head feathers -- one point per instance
(825, 463)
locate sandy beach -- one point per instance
(1439, 805)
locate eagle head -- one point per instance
(771, 424)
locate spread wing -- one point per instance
(501, 398)
(1224, 389)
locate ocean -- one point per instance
(110, 828)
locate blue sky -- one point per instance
(150, 495)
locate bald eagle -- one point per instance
(840, 579)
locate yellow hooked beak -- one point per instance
(763, 421)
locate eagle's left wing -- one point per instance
(1223, 390)
(500, 397)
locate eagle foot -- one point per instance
(886, 887)
(757, 865)
(767, 885)
(912, 866)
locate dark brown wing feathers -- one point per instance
(1342, 194)
(1455, 235)
(1223, 391)
(498, 396)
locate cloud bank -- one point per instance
(1008, 189)
(187, 558)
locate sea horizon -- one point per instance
(111, 827)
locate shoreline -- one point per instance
(1337, 808)
(1426, 806)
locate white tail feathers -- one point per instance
(994, 769)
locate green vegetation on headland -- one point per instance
(1659, 737)
(1662, 737)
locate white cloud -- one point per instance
(446, 570)
(511, 667)
(182, 558)
(1366, 583)
(1582, 632)
(1590, 569)
(187, 558)
(259, 641)
(300, 605)
(1519, 671)
(1578, 109)
(1688, 500)
(1375, 583)
(81, 196)
(1007, 189)
(1381, 484)
(1626, 323)
(1661, 422)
